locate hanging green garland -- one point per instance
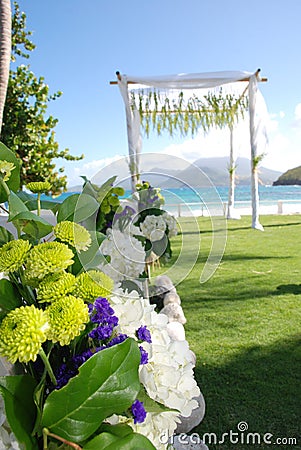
(159, 113)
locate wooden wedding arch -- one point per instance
(194, 82)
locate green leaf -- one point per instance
(151, 405)
(107, 384)
(108, 441)
(15, 205)
(5, 236)
(9, 296)
(32, 224)
(14, 181)
(119, 430)
(31, 202)
(17, 392)
(92, 257)
(77, 207)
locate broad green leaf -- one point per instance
(5, 236)
(119, 430)
(32, 224)
(107, 441)
(9, 296)
(105, 188)
(92, 257)
(14, 181)
(107, 384)
(77, 208)
(31, 203)
(15, 205)
(17, 392)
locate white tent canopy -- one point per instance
(194, 81)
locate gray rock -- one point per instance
(174, 312)
(171, 297)
(196, 417)
(165, 282)
(187, 443)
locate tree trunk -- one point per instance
(231, 213)
(5, 52)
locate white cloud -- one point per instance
(89, 169)
(297, 117)
(282, 152)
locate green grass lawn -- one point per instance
(244, 325)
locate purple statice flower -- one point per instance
(138, 411)
(102, 332)
(143, 334)
(102, 309)
(144, 355)
(117, 340)
(102, 314)
(70, 369)
(127, 211)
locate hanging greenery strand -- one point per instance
(158, 112)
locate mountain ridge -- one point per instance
(203, 172)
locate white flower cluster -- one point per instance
(7, 438)
(171, 223)
(127, 254)
(168, 376)
(154, 227)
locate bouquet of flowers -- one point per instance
(92, 364)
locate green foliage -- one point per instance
(105, 383)
(26, 129)
(77, 207)
(14, 180)
(94, 389)
(290, 177)
(187, 116)
(107, 197)
(119, 437)
(9, 296)
(17, 392)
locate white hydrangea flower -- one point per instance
(153, 227)
(158, 428)
(168, 376)
(127, 255)
(171, 223)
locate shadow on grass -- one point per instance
(288, 289)
(279, 225)
(261, 386)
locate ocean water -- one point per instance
(213, 200)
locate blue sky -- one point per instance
(80, 44)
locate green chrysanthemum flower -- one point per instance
(47, 258)
(6, 169)
(93, 284)
(39, 187)
(74, 234)
(22, 332)
(67, 318)
(13, 255)
(54, 286)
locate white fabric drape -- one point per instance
(133, 133)
(192, 81)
